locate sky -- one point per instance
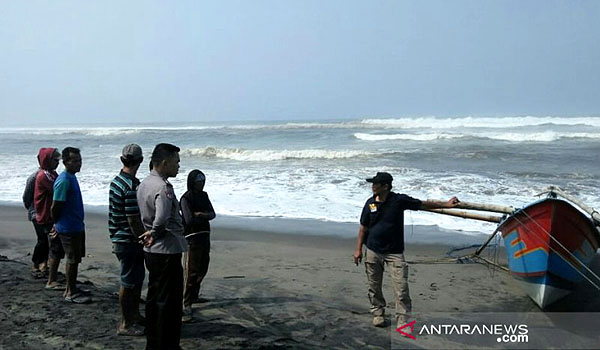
(163, 61)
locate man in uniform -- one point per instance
(382, 231)
(164, 243)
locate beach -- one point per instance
(265, 290)
(302, 116)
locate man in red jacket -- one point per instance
(42, 201)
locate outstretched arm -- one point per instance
(433, 204)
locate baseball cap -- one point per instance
(132, 151)
(381, 178)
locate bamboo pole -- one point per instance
(477, 206)
(595, 215)
(466, 215)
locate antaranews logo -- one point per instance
(412, 328)
(504, 333)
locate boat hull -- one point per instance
(548, 243)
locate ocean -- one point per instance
(316, 170)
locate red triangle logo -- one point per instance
(410, 324)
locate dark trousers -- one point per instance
(40, 252)
(164, 301)
(196, 266)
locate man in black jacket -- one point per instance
(197, 210)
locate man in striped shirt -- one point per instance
(125, 226)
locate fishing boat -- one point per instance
(550, 243)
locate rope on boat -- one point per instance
(449, 253)
(449, 257)
(557, 253)
(495, 259)
(462, 259)
(489, 262)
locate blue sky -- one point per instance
(149, 61)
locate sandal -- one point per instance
(55, 286)
(78, 299)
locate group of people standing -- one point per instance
(147, 225)
(55, 208)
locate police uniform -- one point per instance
(159, 210)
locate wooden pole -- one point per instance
(466, 215)
(477, 206)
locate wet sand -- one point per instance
(265, 290)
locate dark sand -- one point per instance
(266, 290)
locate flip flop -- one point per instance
(131, 332)
(78, 299)
(55, 286)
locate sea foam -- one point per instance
(480, 122)
(239, 154)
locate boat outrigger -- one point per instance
(549, 243)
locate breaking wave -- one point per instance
(479, 122)
(464, 123)
(408, 137)
(240, 154)
(547, 136)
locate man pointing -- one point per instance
(382, 231)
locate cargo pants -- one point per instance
(374, 264)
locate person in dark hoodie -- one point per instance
(42, 202)
(196, 210)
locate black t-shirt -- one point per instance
(385, 222)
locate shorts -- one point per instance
(74, 245)
(55, 251)
(131, 257)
